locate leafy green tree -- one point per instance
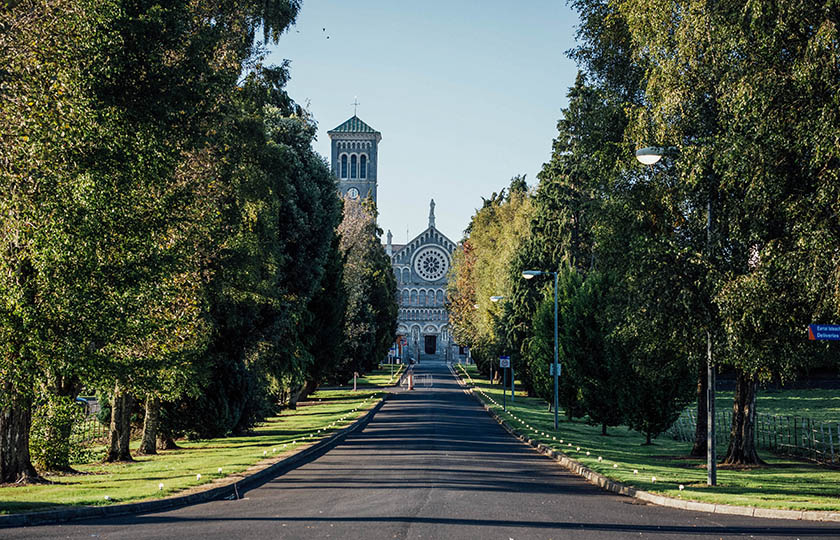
(460, 296)
(539, 348)
(568, 199)
(172, 106)
(324, 331)
(731, 98)
(481, 270)
(121, 94)
(592, 358)
(370, 321)
(280, 221)
(49, 304)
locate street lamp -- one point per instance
(496, 299)
(649, 156)
(531, 274)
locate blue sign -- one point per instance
(824, 332)
(504, 361)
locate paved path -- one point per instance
(433, 465)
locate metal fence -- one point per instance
(88, 431)
(788, 435)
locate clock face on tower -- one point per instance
(353, 193)
(431, 264)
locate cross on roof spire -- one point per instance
(355, 104)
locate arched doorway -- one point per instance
(430, 339)
(430, 344)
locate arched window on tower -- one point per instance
(440, 298)
(344, 166)
(363, 166)
(405, 297)
(413, 298)
(353, 166)
(422, 298)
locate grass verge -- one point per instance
(384, 376)
(197, 463)
(665, 466)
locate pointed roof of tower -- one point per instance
(353, 125)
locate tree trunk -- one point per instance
(165, 433)
(699, 448)
(603, 429)
(120, 431)
(741, 449)
(308, 389)
(151, 421)
(166, 442)
(294, 394)
(15, 421)
(648, 439)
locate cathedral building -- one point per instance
(420, 266)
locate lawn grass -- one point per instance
(817, 404)
(380, 377)
(782, 484)
(324, 413)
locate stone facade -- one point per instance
(421, 268)
(354, 156)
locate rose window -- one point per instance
(431, 264)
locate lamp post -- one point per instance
(496, 299)
(531, 274)
(650, 156)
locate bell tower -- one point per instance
(354, 157)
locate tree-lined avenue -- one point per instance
(431, 464)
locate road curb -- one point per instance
(620, 488)
(234, 487)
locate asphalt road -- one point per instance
(431, 464)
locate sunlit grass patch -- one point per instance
(173, 471)
(385, 375)
(665, 466)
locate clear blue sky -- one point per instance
(466, 93)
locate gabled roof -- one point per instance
(353, 125)
(399, 247)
